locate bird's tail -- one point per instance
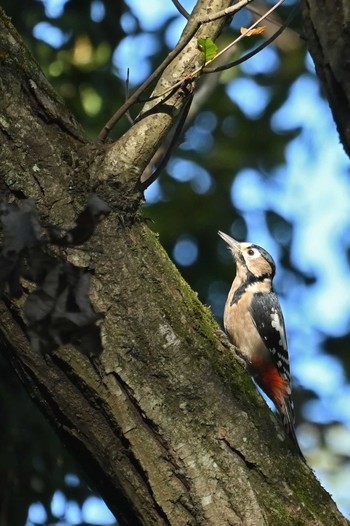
(287, 414)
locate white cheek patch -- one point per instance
(276, 324)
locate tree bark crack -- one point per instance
(250, 465)
(154, 430)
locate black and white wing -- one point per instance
(268, 318)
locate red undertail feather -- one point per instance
(274, 385)
(278, 389)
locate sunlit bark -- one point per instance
(165, 421)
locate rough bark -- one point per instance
(165, 421)
(327, 29)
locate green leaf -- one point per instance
(208, 47)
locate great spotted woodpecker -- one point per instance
(254, 322)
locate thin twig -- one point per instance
(257, 12)
(259, 48)
(181, 9)
(127, 113)
(240, 37)
(174, 140)
(165, 95)
(199, 99)
(271, 19)
(181, 45)
(134, 97)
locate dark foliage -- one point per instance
(59, 310)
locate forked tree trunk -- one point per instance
(326, 27)
(165, 421)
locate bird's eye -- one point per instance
(251, 252)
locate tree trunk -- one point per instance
(326, 27)
(165, 421)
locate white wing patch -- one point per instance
(276, 324)
(268, 319)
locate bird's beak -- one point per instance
(232, 243)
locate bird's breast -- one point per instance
(242, 331)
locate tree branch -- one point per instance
(166, 422)
(181, 9)
(187, 36)
(327, 36)
(257, 50)
(170, 148)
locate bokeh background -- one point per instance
(260, 160)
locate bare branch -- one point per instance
(174, 140)
(242, 35)
(182, 44)
(127, 113)
(257, 10)
(221, 53)
(181, 9)
(257, 50)
(201, 96)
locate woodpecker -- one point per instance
(254, 322)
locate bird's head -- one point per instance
(250, 258)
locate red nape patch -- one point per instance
(273, 384)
